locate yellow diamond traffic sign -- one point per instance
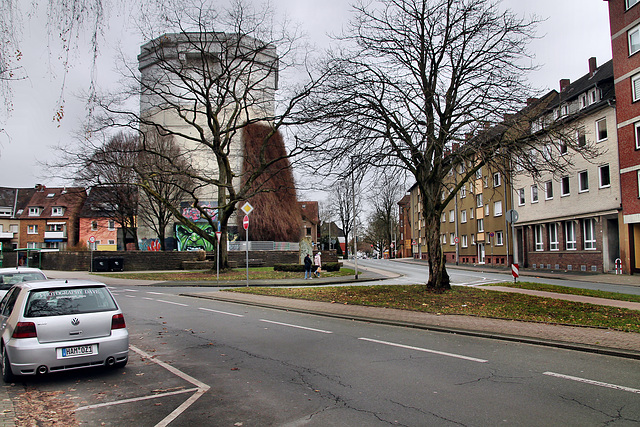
(246, 208)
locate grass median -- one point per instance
(467, 301)
(255, 273)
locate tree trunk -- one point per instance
(438, 277)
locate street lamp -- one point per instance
(355, 234)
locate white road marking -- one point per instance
(131, 290)
(147, 298)
(130, 296)
(296, 326)
(156, 293)
(221, 312)
(171, 302)
(592, 382)
(426, 350)
(136, 399)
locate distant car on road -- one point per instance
(59, 325)
(11, 276)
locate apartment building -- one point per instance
(624, 18)
(404, 240)
(13, 202)
(569, 221)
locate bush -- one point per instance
(299, 268)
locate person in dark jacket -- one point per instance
(307, 267)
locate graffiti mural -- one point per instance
(192, 213)
(190, 241)
(149, 244)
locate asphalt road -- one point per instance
(204, 362)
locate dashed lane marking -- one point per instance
(296, 326)
(592, 382)
(221, 312)
(171, 302)
(426, 350)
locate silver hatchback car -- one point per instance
(58, 325)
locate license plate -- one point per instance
(80, 350)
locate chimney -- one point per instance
(593, 66)
(564, 83)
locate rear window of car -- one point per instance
(7, 280)
(63, 301)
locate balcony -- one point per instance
(55, 234)
(6, 235)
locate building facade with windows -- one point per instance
(404, 240)
(97, 221)
(624, 19)
(569, 221)
(13, 202)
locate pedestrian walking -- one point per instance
(318, 262)
(307, 267)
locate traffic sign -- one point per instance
(245, 222)
(512, 215)
(247, 208)
(515, 271)
(218, 235)
(456, 239)
(92, 239)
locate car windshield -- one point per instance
(7, 280)
(62, 301)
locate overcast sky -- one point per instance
(574, 30)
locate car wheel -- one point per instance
(7, 375)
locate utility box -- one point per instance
(116, 264)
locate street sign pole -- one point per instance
(245, 223)
(218, 235)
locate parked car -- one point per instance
(59, 325)
(11, 276)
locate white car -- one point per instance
(58, 325)
(11, 276)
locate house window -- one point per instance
(635, 87)
(630, 3)
(32, 229)
(452, 238)
(5, 211)
(486, 181)
(563, 149)
(473, 239)
(57, 211)
(444, 239)
(564, 185)
(601, 129)
(605, 177)
(112, 242)
(463, 192)
(479, 174)
(463, 216)
(497, 180)
(521, 197)
(534, 194)
(452, 215)
(583, 181)
(480, 225)
(634, 40)
(443, 217)
(537, 231)
(497, 208)
(594, 94)
(639, 184)
(570, 235)
(471, 214)
(34, 211)
(55, 227)
(581, 137)
(499, 238)
(486, 209)
(589, 229)
(94, 225)
(553, 237)
(32, 245)
(583, 101)
(548, 190)
(112, 225)
(465, 242)
(546, 152)
(479, 200)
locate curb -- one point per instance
(586, 348)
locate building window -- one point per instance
(479, 174)
(471, 214)
(589, 229)
(583, 101)
(497, 180)
(499, 238)
(583, 181)
(465, 242)
(581, 137)
(444, 239)
(605, 177)
(630, 3)
(452, 215)
(55, 227)
(32, 229)
(570, 235)
(480, 225)
(32, 245)
(635, 87)
(565, 186)
(486, 210)
(553, 237)
(463, 192)
(639, 184)
(563, 149)
(548, 190)
(473, 239)
(57, 211)
(521, 197)
(601, 129)
(534, 194)
(94, 225)
(537, 231)
(452, 238)
(634, 40)
(479, 200)
(34, 211)
(443, 217)
(463, 216)
(497, 208)
(112, 225)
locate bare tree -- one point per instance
(412, 81)
(342, 207)
(203, 84)
(384, 196)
